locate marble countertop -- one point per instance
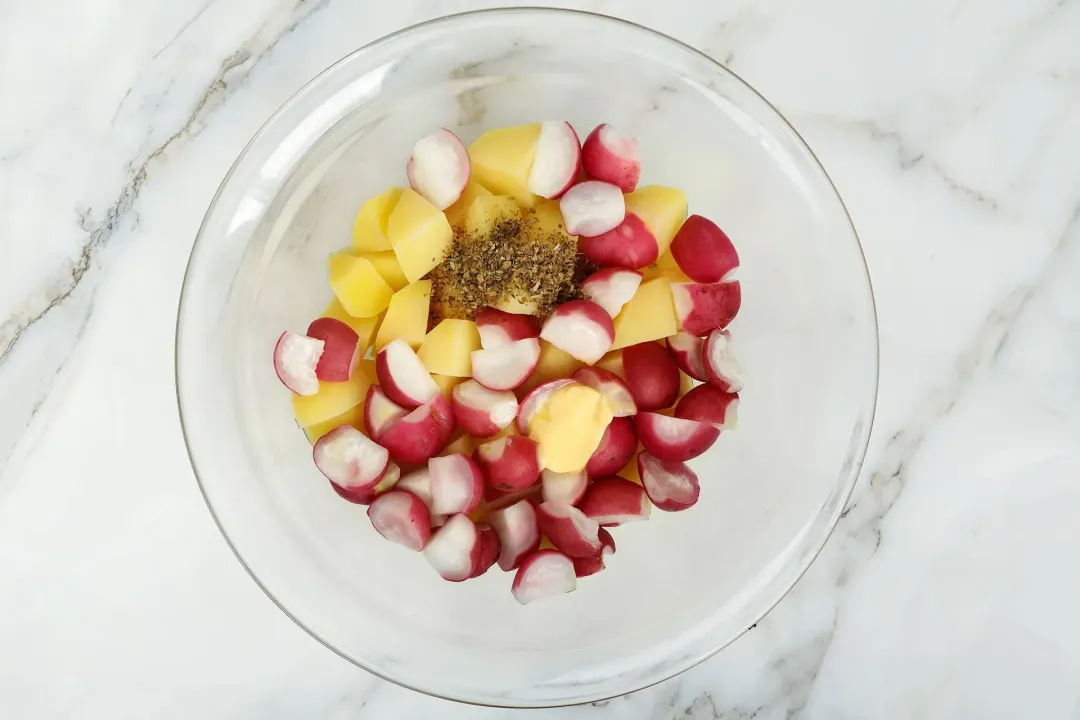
(950, 587)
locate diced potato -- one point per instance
(665, 266)
(447, 383)
(456, 212)
(369, 229)
(612, 362)
(407, 316)
(650, 315)
(388, 266)
(463, 443)
(629, 471)
(358, 285)
(447, 348)
(554, 364)
(486, 212)
(549, 221)
(419, 233)
(333, 399)
(353, 416)
(662, 209)
(516, 307)
(686, 383)
(503, 158)
(365, 327)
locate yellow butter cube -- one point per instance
(662, 209)
(419, 233)
(487, 212)
(369, 228)
(365, 328)
(503, 158)
(358, 285)
(353, 416)
(569, 427)
(456, 212)
(650, 315)
(447, 348)
(407, 316)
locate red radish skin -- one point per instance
(709, 404)
(504, 367)
(439, 168)
(351, 461)
(509, 463)
(558, 160)
(482, 412)
(296, 358)
(671, 486)
(341, 349)
(402, 518)
(583, 567)
(457, 486)
(611, 386)
(675, 439)
(611, 288)
(652, 376)
(615, 500)
(689, 354)
(420, 435)
(499, 499)
(518, 530)
(367, 496)
(702, 308)
(380, 412)
(489, 549)
(403, 377)
(703, 251)
(592, 208)
(566, 488)
(612, 156)
(502, 328)
(569, 530)
(617, 446)
(535, 400)
(630, 245)
(720, 363)
(580, 328)
(454, 549)
(543, 574)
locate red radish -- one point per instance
(703, 251)
(418, 482)
(401, 517)
(568, 529)
(689, 353)
(482, 412)
(518, 532)
(611, 288)
(351, 461)
(616, 447)
(366, 497)
(672, 486)
(652, 376)
(489, 549)
(536, 399)
(615, 500)
(630, 245)
(504, 367)
(709, 404)
(563, 487)
(454, 549)
(580, 328)
(380, 412)
(509, 463)
(612, 156)
(583, 567)
(439, 520)
(592, 208)
(723, 369)
(558, 159)
(670, 438)
(702, 308)
(439, 168)
(456, 484)
(420, 435)
(611, 386)
(341, 351)
(498, 499)
(403, 377)
(295, 359)
(498, 327)
(543, 574)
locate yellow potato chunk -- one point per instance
(333, 399)
(447, 383)
(389, 268)
(662, 209)
(612, 362)
(456, 212)
(369, 229)
(486, 212)
(665, 266)
(365, 328)
(407, 316)
(554, 364)
(549, 221)
(353, 416)
(569, 427)
(447, 348)
(630, 471)
(358, 285)
(503, 158)
(419, 233)
(463, 443)
(650, 315)
(516, 307)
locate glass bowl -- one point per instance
(682, 585)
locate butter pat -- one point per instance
(569, 427)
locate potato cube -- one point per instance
(369, 229)
(353, 416)
(389, 268)
(456, 212)
(358, 285)
(407, 316)
(333, 399)
(420, 235)
(554, 364)
(650, 315)
(487, 212)
(503, 158)
(662, 209)
(448, 347)
(447, 383)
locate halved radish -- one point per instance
(611, 288)
(612, 156)
(420, 435)
(456, 484)
(537, 397)
(499, 499)
(558, 159)
(439, 168)
(418, 482)
(720, 363)
(652, 376)
(509, 463)
(489, 549)
(483, 412)
(689, 353)
(702, 308)
(341, 351)
(566, 488)
(389, 479)
(518, 532)
(611, 386)
(592, 208)
(543, 574)
(630, 245)
(504, 367)
(380, 412)
(670, 438)
(568, 529)
(295, 359)
(454, 549)
(580, 328)
(403, 377)
(616, 447)
(709, 404)
(498, 327)
(703, 251)
(401, 517)
(671, 485)
(351, 461)
(615, 500)
(583, 567)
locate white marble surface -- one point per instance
(950, 588)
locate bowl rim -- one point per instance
(858, 456)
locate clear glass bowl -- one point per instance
(682, 585)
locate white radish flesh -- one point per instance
(611, 288)
(566, 488)
(482, 412)
(295, 359)
(558, 159)
(518, 532)
(569, 530)
(457, 485)
(670, 438)
(439, 168)
(671, 486)
(689, 354)
(611, 386)
(580, 328)
(592, 208)
(454, 549)
(543, 574)
(498, 327)
(720, 364)
(380, 412)
(402, 518)
(403, 377)
(350, 460)
(504, 367)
